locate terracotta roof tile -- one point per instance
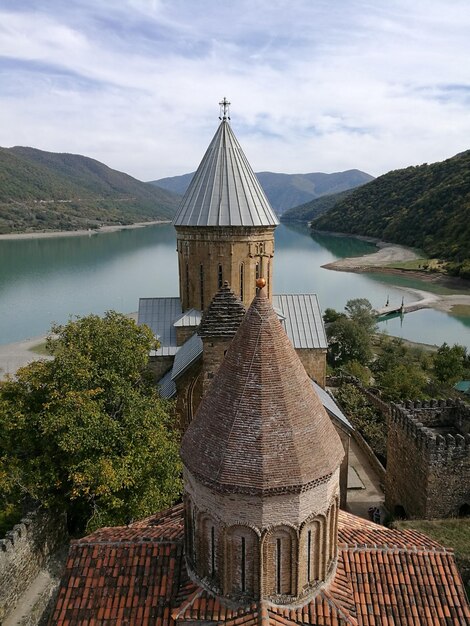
(165, 526)
(261, 427)
(383, 578)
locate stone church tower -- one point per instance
(261, 468)
(224, 226)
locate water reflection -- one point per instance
(44, 280)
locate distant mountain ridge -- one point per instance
(424, 206)
(59, 191)
(310, 210)
(286, 190)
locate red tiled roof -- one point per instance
(261, 426)
(135, 576)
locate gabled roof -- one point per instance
(189, 318)
(261, 427)
(135, 575)
(187, 354)
(299, 314)
(224, 190)
(160, 314)
(167, 386)
(331, 407)
(303, 321)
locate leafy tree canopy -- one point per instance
(450, 363)
(426, 207)
(360, 311)
(87, 432)
(347, 341)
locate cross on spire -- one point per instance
(224, 109)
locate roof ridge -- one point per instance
(336, 605)
(242, 395)
(385, 547)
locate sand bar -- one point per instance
(389, 253)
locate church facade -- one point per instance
(225, 235)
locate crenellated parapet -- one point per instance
(440, 428)
(24, 551)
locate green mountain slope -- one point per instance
(427, 206)
(310, 210)
(286, 190)
(50, 191)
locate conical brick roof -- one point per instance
(261, 428)
(224, 191)
(223, 316)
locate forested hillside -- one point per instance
(48, 191)
(287, 190)
(310, 210)
(427, 207)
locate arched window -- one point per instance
(243, 561)
(201, 285)
(332, 532)
(207, 534)
(242, 272)
(220, 277)
(280, 562)
(187, 284)
(269, 278)
(312, 544)
(257, 271)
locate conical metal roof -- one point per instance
(261, 428)
(224, 191)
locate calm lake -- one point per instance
(46, 280)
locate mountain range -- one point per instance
(50, 191)
(286, 190)
(425, 206)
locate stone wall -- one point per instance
(24, 551)
(209, 256)
(159, 365)
(314, 361)
(428, 459)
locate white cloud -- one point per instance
(321, 86)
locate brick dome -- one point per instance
(261, 428)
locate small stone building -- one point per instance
(428, 459)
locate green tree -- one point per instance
(360, 310)
(402, 381)
(348, 341)
(450, 363)
(331, 315)
(366, 418)
(86, 432)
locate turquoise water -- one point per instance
(46, 280)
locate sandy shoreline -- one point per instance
(19, 353)
(47, 234)
(392, 253)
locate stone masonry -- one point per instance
(208, 256)
(428, 459)
(24, 551)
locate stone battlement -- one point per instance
(441, 428)
(24, 551)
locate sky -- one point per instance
(314, 85)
